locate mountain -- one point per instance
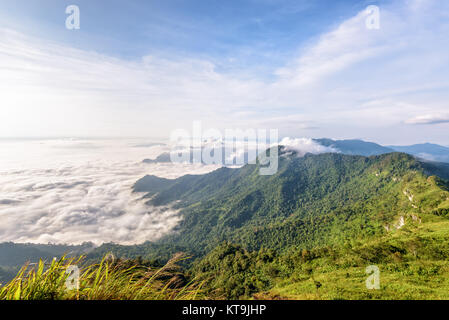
(311, 200)
(310, 230)
(227, 156)
(14, 255)
(351, 147)
(427, 151)
(355, 147)
(162, 158)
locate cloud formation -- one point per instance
(346, 81)
(302, 146)
(84, 199)
(429, 119)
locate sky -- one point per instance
(145, 68)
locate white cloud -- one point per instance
(302, 146)
(84, 195)
(101, 94)
(429, 119)
(329, 85)
(336, 50)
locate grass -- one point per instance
(413, 263)
(421, 271)
(108, 280)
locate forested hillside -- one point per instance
(312, 201)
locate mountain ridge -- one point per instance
(226, 203)
(427, 151)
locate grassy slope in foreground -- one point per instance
(108, 280)
(413, 264)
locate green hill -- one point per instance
(310, 201)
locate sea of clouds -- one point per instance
(73, 190)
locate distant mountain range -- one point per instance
(14, 255)
(162, 158)
(426, 151)
(355, 147)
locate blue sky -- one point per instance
(145, 68)
(252, 31)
